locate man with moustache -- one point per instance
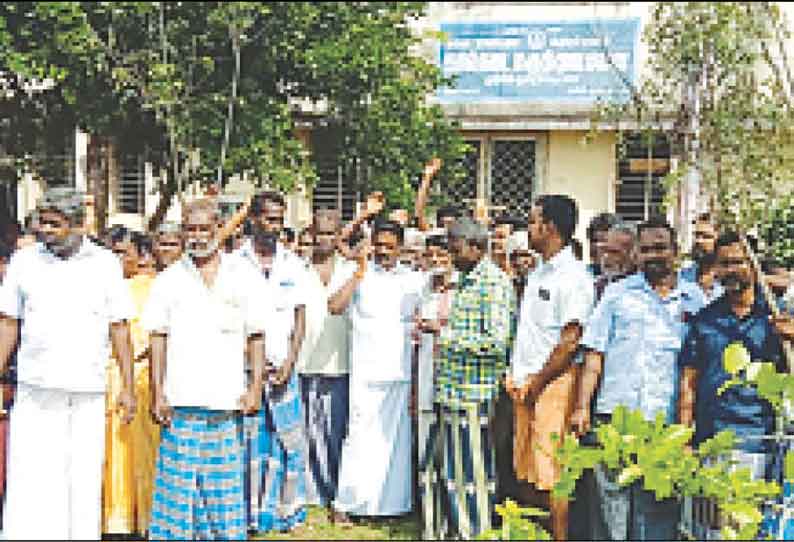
(470, 367)
(381, 297)
(276, 494)
(167, 245)
(705, 233)
(740, 316)
(204, 313)
(618, 256)
(632, 343)
(597, 232)
(69, 299)
(324, 359)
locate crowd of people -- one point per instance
(212, 380)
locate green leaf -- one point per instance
(735, 359)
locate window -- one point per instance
(499, 169)
(131, 184)
(641, 168)
(336, 185)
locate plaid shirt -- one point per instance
(473, 348)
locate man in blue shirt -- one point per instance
(632, 341)
(741, 315)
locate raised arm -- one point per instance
(424, 189)
(340, 301)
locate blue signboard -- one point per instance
(542, 61)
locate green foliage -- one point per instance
(164, 76)
(653, 453)
(744, 124)
(777, 231)
(517, 524)
(775, 388)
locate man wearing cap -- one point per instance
(68, 297)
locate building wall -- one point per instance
(586, 171)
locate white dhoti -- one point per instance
(56, 449)
(375, 475)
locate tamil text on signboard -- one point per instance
(559, 61)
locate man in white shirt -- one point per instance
(203, 312)
(68, 296)
(557, 301)
(375, 475)
(276, 473)
(324, 360)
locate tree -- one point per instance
(715, 72)
(210, 86)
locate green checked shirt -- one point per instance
(473, 347)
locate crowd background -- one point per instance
(392, 367)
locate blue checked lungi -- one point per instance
(276, 468)
(198, 490)
(457, 472)
(326, 402)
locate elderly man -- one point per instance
(470, 366)
(381, 296)
(68, 296)
(632, 343)
(324, 359)
(203, 313)
(167, 245)
(597, 232)
(618, 256)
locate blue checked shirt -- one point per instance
(473, 347)
(640, 335)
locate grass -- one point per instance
(318, 527)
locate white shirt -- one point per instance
(325, 348)
(287, 282)
(381, 314)
(557, 292)
(207, 330)
(65, 307)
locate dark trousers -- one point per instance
(326, 408)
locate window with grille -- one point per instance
(336, 184)
(641, 168)
(512, 175)
(505, 182)
(131, 185)
(463, 191)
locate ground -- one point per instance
(317, 527)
